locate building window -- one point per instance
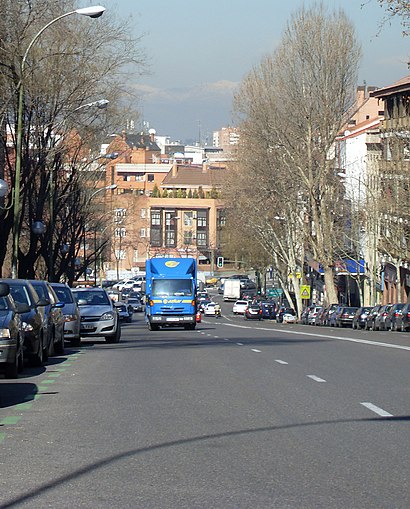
(120, 254)
(201, 218)
(143, 213)
(155, 237)
(170, 228)
(139, 177)
(143, 233)
(201, 239)
(188, 218)
(155, 218)
(188, 237)
(120, 232)
(150, 177)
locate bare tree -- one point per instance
(73, 63)
(296, 101)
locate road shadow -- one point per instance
(14, 393)
(110, 460)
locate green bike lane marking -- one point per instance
(28, 400)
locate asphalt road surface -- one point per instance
(236, 414)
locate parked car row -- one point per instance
(37, 317)
(393, 317)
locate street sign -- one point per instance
(305, 291)
(274, 292)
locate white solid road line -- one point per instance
(316, 378)
(280, 362)
(377, 410)
(326, 336)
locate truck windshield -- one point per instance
(171, 287)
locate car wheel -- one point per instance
(152, 326)
(114, 338)
(12, 368)
(75, 341)
(38, 359)
(59, 347)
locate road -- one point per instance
(235, 414)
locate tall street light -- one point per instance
(92, 12)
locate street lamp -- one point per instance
(92, 12)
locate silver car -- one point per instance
(99, 318)
(71, 313)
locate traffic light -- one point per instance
(220, 262)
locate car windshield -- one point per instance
(171, 287)
(64, 294)
(40, 289)
(20, 294)
(349, 310)
(93, 298)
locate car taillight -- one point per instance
(385, 314)
(408, 314)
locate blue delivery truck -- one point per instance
(170, 293)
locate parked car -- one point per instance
(371, 317)
(305, 314)
(71, 313)
(99, 317)
(327, 313)
(333, 315)
(380, 318)
(125, 311)
(11, 333)
(253, 312)
(344, 316)
(239, 307)
(390, 322)
(312, 314)
(35, 339)
(319, 320)
(53, 316)
(360, 317)
(284, 311)
(403, 320)
(289, 316)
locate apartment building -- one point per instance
(162, 206)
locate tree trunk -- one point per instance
(331, 293)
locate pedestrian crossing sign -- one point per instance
(305, 291)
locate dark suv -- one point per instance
(54, 318)
(35, 340)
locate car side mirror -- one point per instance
(22, 308)
(59, 305)
(43, 302)
(4, 289)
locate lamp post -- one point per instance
(92, 12)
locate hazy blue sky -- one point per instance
(199, 51)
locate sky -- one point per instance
(198, 51)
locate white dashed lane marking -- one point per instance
(254, 350)
(377, 410)
(280, 362)
(316, 378)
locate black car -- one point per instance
(11, 333)
(253, 312)
(403, 321)
(35, 339)
(53, 315)
(371, 317)
(125, 311)
(360, 317)
(393, 314)
(344, 316)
